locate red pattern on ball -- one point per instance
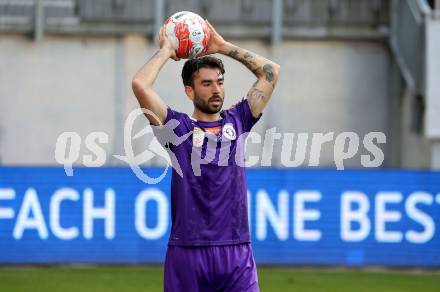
(182, 33)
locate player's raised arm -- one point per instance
(265, 70)
(143, 80)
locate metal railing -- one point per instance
(270, 19)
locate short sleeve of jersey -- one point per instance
(173, 126)
(243, 110)
(172, 114)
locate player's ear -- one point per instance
(189, 92)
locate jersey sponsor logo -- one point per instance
(229, 131)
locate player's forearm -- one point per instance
(146, 76)
(260, 66)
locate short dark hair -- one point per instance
(193, 65)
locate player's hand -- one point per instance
(216, 41)
(165, 44)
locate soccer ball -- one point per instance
(188, 33)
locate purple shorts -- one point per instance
(228, 268)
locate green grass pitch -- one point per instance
(149, 278)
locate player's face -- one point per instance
(208, 90)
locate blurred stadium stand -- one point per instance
(237, 18)
(382, 53)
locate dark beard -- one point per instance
(205, 107)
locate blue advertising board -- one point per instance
(298, 217)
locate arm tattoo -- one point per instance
(247, 60)
(268, 70)
(248, 55)
(233, 54)
(255, 94)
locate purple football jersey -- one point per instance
(208, 186)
